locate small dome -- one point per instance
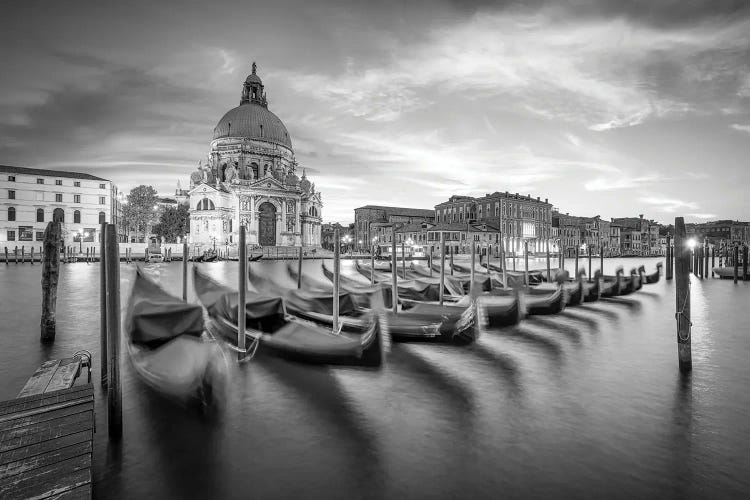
(253, 78)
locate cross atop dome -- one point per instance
(252, 89)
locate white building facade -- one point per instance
(250, 179)
(30, 198)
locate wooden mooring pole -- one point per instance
(32, 256)
(114, 389)
(337, 280)
(15, 254)
(601, 258)
(451, 260)
(526, 263)
(575, 270)
(103, 303)
(589, 255)
(744, 262)
(706, 270)
(185, 255)
(403, 259)
(6, 256)
(489, 273)
(669, 251)
(736, 262)
(442, 268)
(50, 275)
(242, 298)
(713, 259)
(503, 263)
(372, 265)
(429, 262)
(473, 262)
(682, 285)
(549, 276)
(394, 275)
(299, 269)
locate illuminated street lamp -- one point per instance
(691, 243)
(81, 235)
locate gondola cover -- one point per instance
(155, 317)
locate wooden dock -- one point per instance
(46, 435)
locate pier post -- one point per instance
(23, 254)
(514, 259)
(15, 254)
(451, 260)
(549, 276)
(442, 268)
(6, 256)
(394, 275)
(502, 261)
(114, 389)
(562, 258)
(589, 252)
(682, 283)
(601, 258)
(299, 269)
(429, 261)
(744, 262)
(103, 303)
(403, 259)
(669, 258)
(713, 259)
(242, 298)
(185, 251)
(706, 270)
(372, 266)
(575, 270)
(526, 262)
(87, 255)
(736, 262)
(32, 256)
(50, 274)
(489, 271)
(473, 262)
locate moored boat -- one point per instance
(284, 335)
(653, 277)
(167, 346)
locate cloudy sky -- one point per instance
(609, 107)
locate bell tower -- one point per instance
(252, 90)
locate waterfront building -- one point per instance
(30, 198)
(250, 179)
(615, 240)
(373, 223)
(425, 236)
(572, 230)
(519, 218)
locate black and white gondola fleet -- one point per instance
(173, 344)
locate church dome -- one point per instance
(253, 121)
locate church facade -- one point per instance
(250, 179)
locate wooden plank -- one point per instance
(79, 493)
(46, 446)
(47, 399)
(9, 418)
(65, 375)
(52, 457)
(57, 411)
(47, 431)
(36, 397)
(39, 381)
(48, 481)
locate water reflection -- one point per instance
(531, 410)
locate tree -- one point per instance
(139, 213)
(173, 223)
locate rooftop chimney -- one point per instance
(545, 200)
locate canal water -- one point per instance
(588, 403)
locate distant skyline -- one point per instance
(611, 108)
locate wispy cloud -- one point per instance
(703, 216)
(669, 204)
(741, 128)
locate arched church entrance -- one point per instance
(267, 224)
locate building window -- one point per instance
(11, 178)
(77, 217)
(11, 213)
(40, 236)
(77, 184)
(102, 218)
(58, 182)
(102, 186)
(40, 215)
(76, 198)
(11, 235)
(40, 180)
(11, 194)
(102, 200)
(58, 197)
(205, 204)
(58, 215)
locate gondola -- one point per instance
(449, 323)
(423, 289)
(255, 258)
(630, 284)
(552, 303)
(270, 329)
(612, 285)
(592, 291)
(167, 346)
(650, 279)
